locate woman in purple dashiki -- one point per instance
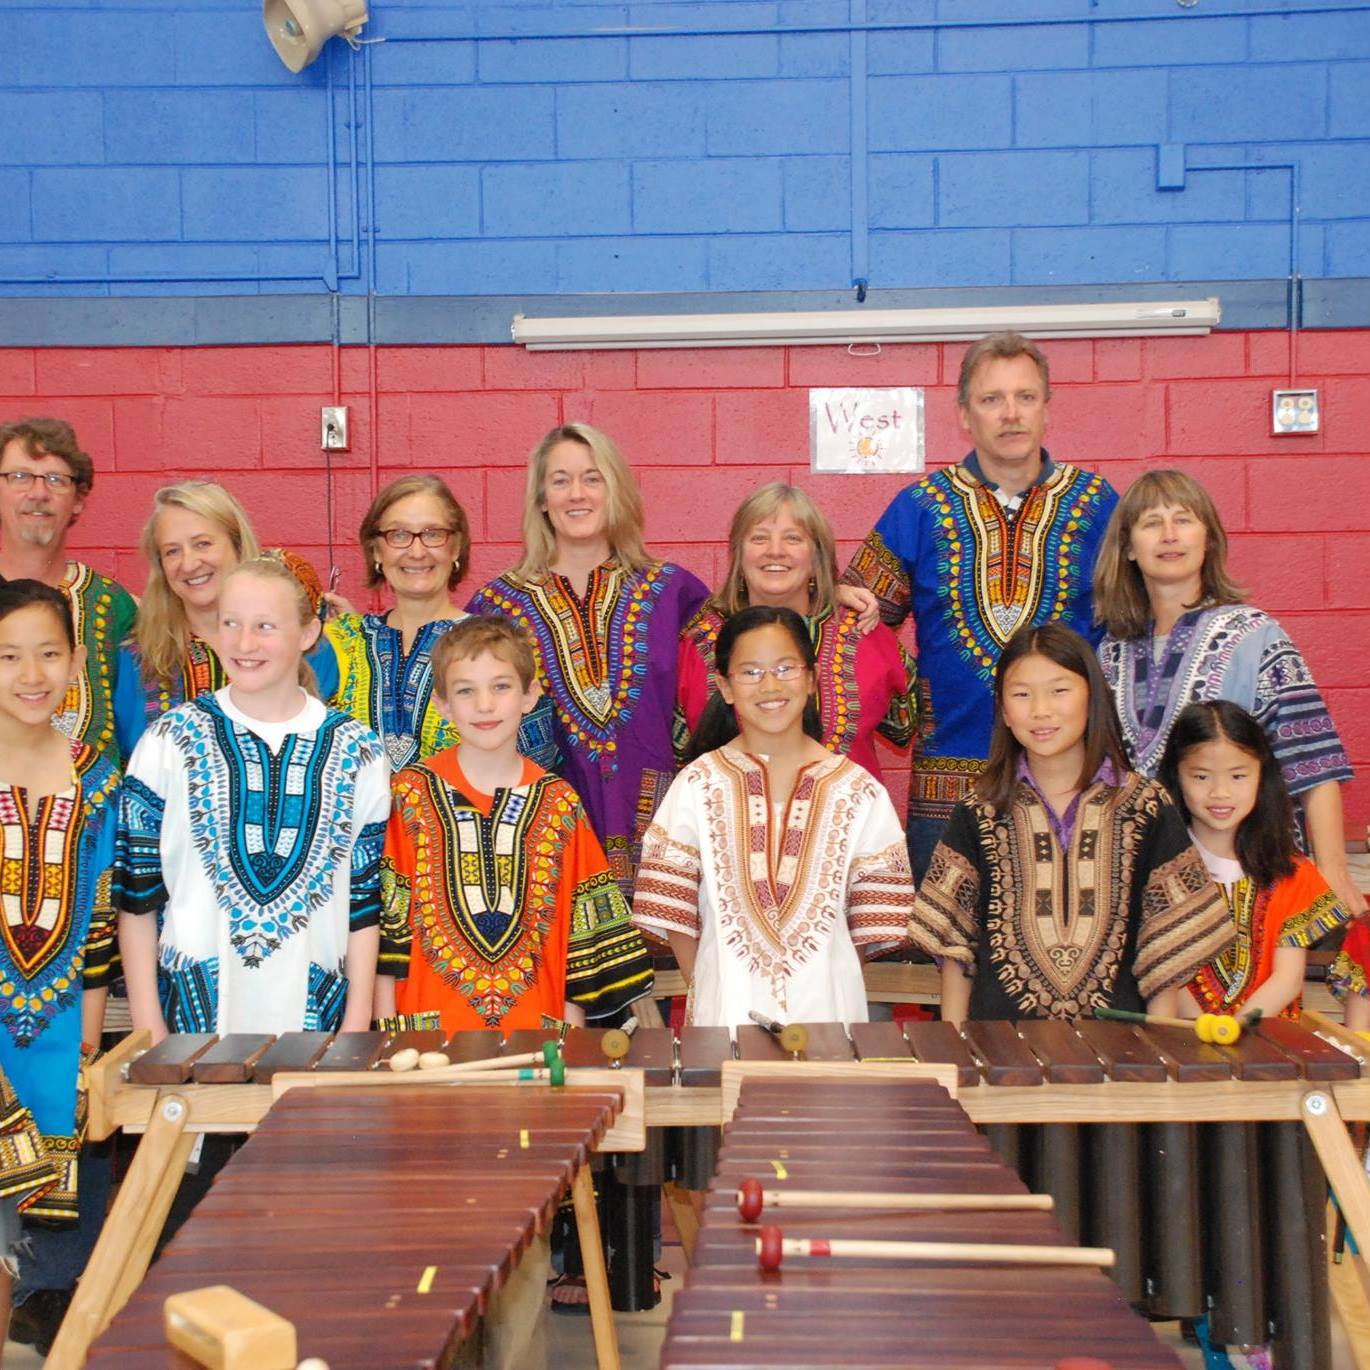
(605, 618)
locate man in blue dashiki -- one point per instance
(1007, 537)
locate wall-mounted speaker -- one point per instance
(298, 29)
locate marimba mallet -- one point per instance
(752, 1199)
(1220, 1029)
(617, 1043)
(408, 1058)
(772, 1246)
(792, 1037)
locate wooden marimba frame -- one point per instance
(193, 1083)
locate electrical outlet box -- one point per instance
(1294, 411)
(333, 429)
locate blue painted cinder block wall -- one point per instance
(158, 148)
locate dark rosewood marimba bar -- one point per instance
(859, 1313)
(378, 1221)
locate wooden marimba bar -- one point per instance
(861, 1313)
(191, 1084)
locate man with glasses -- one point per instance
(45, 480)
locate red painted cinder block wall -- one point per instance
(704, 428)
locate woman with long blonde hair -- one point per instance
(605, 617)
(196, 534)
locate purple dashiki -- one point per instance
(1232, 652)
(607, 660)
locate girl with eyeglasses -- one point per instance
(772, 866)
(416, 541)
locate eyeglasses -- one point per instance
(55, 480)
(400, 538)
(754, 675)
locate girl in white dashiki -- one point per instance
(251, 821)
(772, 865)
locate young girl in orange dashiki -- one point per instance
(772, 865)
(499, 905)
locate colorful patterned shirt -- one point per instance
(58, 940)
(779, 897)
(103, 613)
(1126, 911)
(500, 908)
(607, 660)
(972, 572)
(258, 845)
(365, 671)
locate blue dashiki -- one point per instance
(259, 844)
(364, 670)
(973, 566)
(58, 941)
(607, 660)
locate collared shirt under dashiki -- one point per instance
(58, 934)
(365, 671)
(102, 612)
(499, 908)
(972, 574)
(260, 845)
(1296, 911)
(1231, 652)
(607, 659)
(780, 897)
(865, 683)
(1127, 911)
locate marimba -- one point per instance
(404, 1137)
(861, 1313)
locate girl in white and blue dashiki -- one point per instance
(252, 821)
(58, 804)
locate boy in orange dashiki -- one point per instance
(499, 907)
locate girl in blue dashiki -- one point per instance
(252, 821)
(58, 804)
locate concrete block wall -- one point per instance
(716, 424)
(150, 139)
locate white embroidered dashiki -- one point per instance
(260, 845)
(779, 896)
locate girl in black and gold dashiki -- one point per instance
(1068, 883)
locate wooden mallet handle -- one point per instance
(792, 1037)
(772, 1246)
(752, 1199)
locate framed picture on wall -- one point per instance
(866, 431)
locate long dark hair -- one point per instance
(1265, 837)
(20, 593)
(717, 725)
(1103, 737)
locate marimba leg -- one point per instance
(685, 1216)
(1340, 1163)
(1296, 1197)
(515, 1332)
(1115, 1197)
(1174, 1251)
(1007, 1141)
(596, 1276)
(121, 1256)
(1236, 1246)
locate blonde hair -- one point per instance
(623, 502)
(269, 566)
(1121, 602)
(493, 633)
(400, 489)
(756, 508)
(162, 631)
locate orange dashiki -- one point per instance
(1296, 911)
(500, 908)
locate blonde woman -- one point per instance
(782, 555)
(605, 618)
(197, 533)
(416, 540)
(1179, 631)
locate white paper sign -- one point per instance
(865, 431)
